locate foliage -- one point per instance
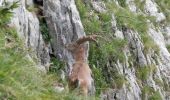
(166, 84)
(145, 90)
(32, 8)
(149, 44)
(140, 4)
(152, 95)
(143, 72)
(119, 80)
(57, 65)
(99, 79)
(6, 13)
(19, 77)
(94, 22)
(44, 30)
(100, 57)
(83, 10)
(168, 47)
(109, 50)
(134, 21)
(112, 50)
(158, 82)
(155, 96)
(56, 68)
(122, 3)
(92, 25)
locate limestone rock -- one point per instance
(99, 6)
(28, 28)
(151, 9)
(65, 27)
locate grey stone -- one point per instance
(65, 27)
(27, 26)
(152, 10)
(99, 6)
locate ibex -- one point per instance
(81, 73)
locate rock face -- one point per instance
(28, 28)
(65, 26)
(161, 63)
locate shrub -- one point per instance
(119, 80)
(6, 13)
(122, 3)
(19, 77)
(155, 96)
(143, 72)
(44, 30)
(99, 79)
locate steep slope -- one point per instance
(131, 62)
(21, 78)
(143, 71)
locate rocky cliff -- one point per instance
(132, 61)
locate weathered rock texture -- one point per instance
(133, 89)
(65, 26)
(28, 28)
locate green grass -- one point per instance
(155, 96)
(140, 4)
(94, 22)
(168, 47)
(151, 94)
(145, 90)
(143, 72)
(6, 13)
(44, 31)
(119, 80)
(134, 21)
(99, 79)
(32, 8)
(159, 82)
(20, 78)
(99, 57)
(166, 85)
(122, 3)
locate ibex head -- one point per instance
(80, 41)
(78, 48)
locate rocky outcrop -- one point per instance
(65, 26)
(151, 9)
(136, 48)
(28, 29)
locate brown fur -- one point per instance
(81, 73)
